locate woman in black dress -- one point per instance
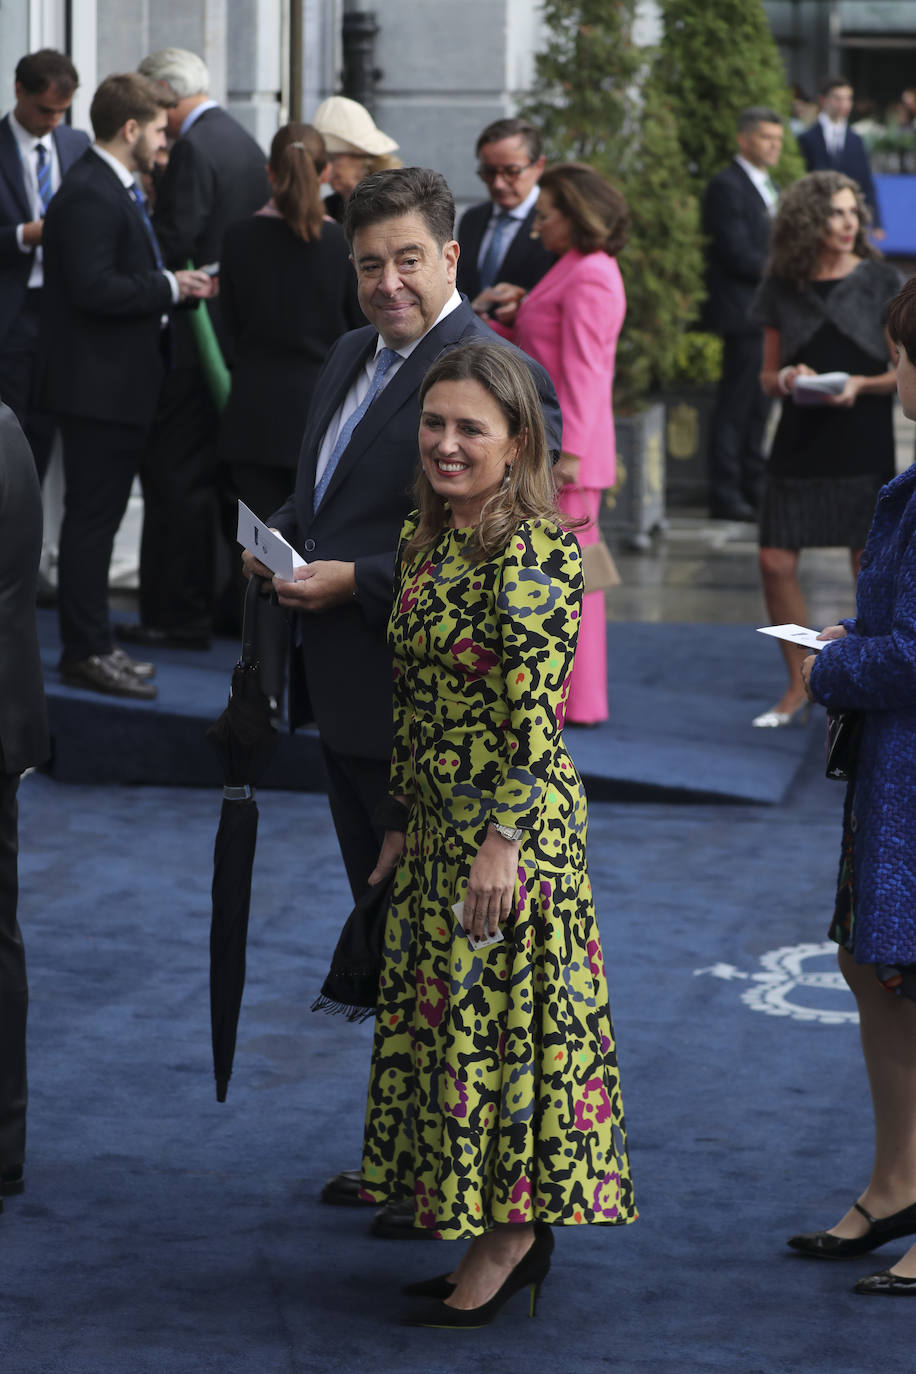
(823, 302)
(288, 292)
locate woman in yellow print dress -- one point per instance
(494, 1095)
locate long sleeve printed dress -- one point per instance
(494, 1093)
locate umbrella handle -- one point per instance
(250, 619)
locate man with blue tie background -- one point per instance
(103, 356)
(36, 149)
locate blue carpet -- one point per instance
(163, 1233)
(682, 697)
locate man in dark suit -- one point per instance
(216, 174)
(24, 744)
(831, 146)
(495, 236)
(737, 207)
(358, 460)
(104, 345)
(36, 150)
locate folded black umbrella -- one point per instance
(351, 987)
(245, 737)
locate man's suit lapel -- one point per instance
(65, 157)
(404, 384)
(519, 248)
(11, 167)
(352, 355)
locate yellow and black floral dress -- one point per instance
(494, 1094)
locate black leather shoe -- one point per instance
(101, 673)
(395, 1222)
(530, 1272)
(12, 1182)
(133, 665)
(343, 1190)
(442, 1287)
(822, 1245)
(176, 637)
(886, 1285)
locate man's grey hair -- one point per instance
(182, 71)
(749, 119)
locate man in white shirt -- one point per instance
(36, 149)
(737, 208)
(831, 145)
(495, 236)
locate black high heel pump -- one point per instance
(442, 1287)
(530, 1272)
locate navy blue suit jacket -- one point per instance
(736, 223)
(347, 663)
(852, 161)
(15, 266)
(524, 264)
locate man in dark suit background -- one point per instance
(737, 206)
(36, 150)
(831, 146)
(353, 491)
(24, 744)
(216, 174)
(103, 356)
(495, 236)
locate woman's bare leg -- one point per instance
(785, 604)
(887, 1026)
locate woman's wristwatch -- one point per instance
(508, 832)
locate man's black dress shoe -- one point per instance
(822, 1245)
(176, 637)
(12, 1182)
(343, 1190)
(395, 1222)
(133, 665)
(886, 1285)
(101, 673)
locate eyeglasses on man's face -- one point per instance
(488, 173)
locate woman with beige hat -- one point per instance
(355, 146)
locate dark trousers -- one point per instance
(180, 513)
(355, 789)
(736, 460)
(100, 463)
(14, 991)
(18, 353)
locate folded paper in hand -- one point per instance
(796, 634)
(810, 391)
(272, 549)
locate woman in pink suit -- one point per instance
(570, 322)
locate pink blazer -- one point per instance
(570, 322)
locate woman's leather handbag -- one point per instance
(843, 731)
(598, 568)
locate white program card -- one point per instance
(796, 634)
(272, 549)
(485, 940)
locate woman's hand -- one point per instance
(566, 471)
(833, 632)
(390, 852)
(503, 295)
(805, 670)
(849, 395)
(491, 885)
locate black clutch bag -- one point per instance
(843, 731)
(351, 987)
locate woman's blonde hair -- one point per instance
(801, 223)
(527, 492)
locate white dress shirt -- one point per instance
(518, 216)
(834, 134)
(26, 144)
(363, 381)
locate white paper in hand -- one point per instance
(796, 634)
(811, 391)
(272, 549)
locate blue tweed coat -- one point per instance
(874, 669)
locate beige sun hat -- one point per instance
(348, 127)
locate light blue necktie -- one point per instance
(137, 197)
(493, 258)
(384, 361)
(45, 191)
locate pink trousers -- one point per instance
(588, 687)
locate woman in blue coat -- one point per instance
(870, 667)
